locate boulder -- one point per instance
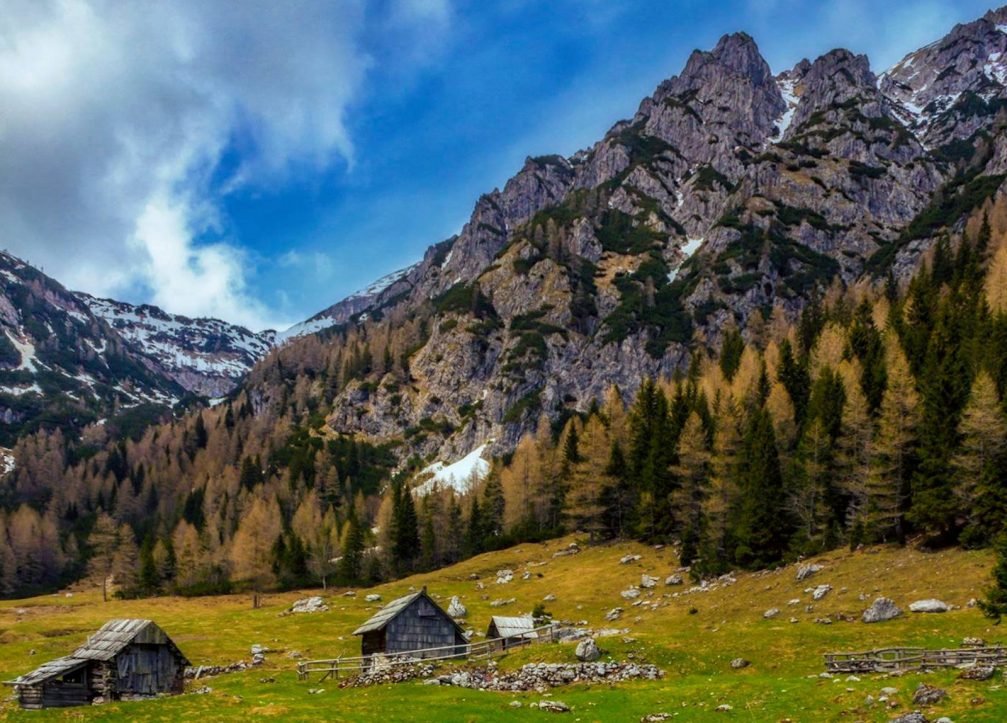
(655, 717)
(504, 576)
(928, 694)
(613, 614)
(930, 605)
(880, 610)
(373, 597)
(456, 609)
(630, 594)
(553, 706)
(914, 717)
(724, 708)
(313, 604)
(821, 591)
(587, 651)
(739, 663)
(502, 602)
(675, 579)
(771, 613)
(647, 581)
(549, 598)
(973, 643)
(806, 571)
(627, 559)
(978, 672)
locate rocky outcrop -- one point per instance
(881, 610)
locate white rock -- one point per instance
(587, 651)
(373, 597)
(626, 559)
(880, 610)
(646, 581)
(675, 579)
(928, 606)
(313, 604)
(504, 576)
(821, 591)
(771, 613)
(806, 571)
(630, 594)
(456, 609)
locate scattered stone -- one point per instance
(259, 649)
(295, 655)
(571, 549)
(456, 609)
(794, 601)
(553, 706)
(739, 663)
(630, 594)
(806, 571)
(258, 659)
(771, 613)
(474, 576)
(674, 579)
(526, 575)
(824, 621)
(515, 704)
(627, 559)
(821, 591)
(647, 581)
(944, 719)
(655, 717)
(315, 691)
(373, 597)
(205, 690)
(350, 593)
(978, 672)
(549, 598)
(587, 651)
(928, 695)
(914, 717)
(613, 614)
(880, 610)
(267, 680)
(972, 603)
(502, 602)
(889, 691)
(313, 604)
(724, 708)
(928, 606)
(973, 643)
(794, 620)
(504, 576)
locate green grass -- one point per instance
(694, 649)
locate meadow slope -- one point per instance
(693, 637)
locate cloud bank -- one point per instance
(124, 123)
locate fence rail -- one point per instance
(888, 660)
(355, 665)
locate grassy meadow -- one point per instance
(693, 637)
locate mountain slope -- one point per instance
(732, 195)
(203, 356)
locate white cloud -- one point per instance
(117, 119)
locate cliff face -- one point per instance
(731, 192)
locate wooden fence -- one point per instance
(356, 665)
(889, 660)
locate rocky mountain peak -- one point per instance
(833, 79)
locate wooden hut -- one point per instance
(124, 658)
(412, 623)
(507, 632)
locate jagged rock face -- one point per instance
(208, 357)
(729, 191)
(947, 90)
(61, 363)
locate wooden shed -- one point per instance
(412, 623)
(124, 658)
(507, 632)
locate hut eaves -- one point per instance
(515, 627)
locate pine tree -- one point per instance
(762, 531)
(994, 605)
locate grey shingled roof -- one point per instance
(388, 613)
(515, 627)
(115, 635)
(59, 666)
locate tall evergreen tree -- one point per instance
(762, 528)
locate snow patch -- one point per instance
(27, 351)
(787, 90)
(457, 475)
(688, 249)
(7, 462)
(18, 391)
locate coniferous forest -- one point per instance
(875, 416)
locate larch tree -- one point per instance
(252, 545)
(103, 543)
(589, 481)
(693, 473)
(979, 467)
(893, 451)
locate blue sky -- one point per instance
(276, 160)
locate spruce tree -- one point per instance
(994, 604)
(762, 527)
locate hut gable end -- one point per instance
(410, 623)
